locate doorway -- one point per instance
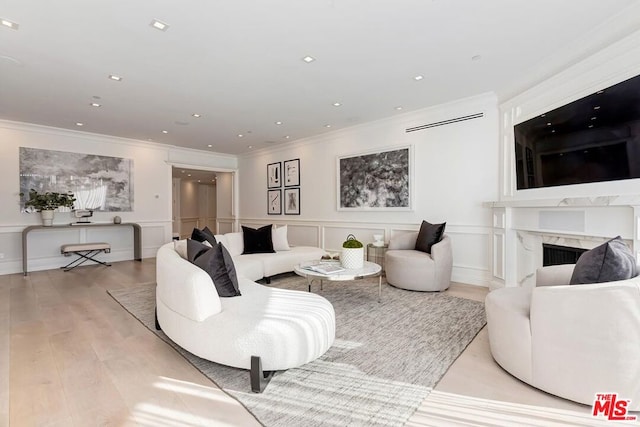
(194, 200)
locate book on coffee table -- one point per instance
(324, 268)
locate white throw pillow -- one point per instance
(279, 238)
(180, 246)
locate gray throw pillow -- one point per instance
(217, 262)
(203, 236)
(429, 235)
(611, 261)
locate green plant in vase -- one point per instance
(46, 203)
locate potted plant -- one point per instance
(46, 203)
(352, 253)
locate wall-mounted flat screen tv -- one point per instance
(593, 139)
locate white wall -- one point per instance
(152, 195)
(455, 171)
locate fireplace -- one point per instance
(556, 254)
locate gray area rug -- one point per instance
(387, 355)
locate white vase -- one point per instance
(47, 218)
(352, 257)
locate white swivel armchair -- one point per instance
(572, 341)
(408, 268)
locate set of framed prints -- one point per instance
(285, 174)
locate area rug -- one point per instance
(387, 356)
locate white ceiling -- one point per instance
(239, 63)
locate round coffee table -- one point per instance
(369, 269)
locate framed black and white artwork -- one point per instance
(274, 175)
(99, 183)
(292, 201)
(274, 202)
(380, 180)
(292, 173)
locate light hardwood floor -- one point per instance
(71, 356)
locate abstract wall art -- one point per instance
(376, 180)
(100, 183)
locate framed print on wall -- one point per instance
(380, 180)
(292, 173)
(274, 175)
(274, 202)
(292, 201)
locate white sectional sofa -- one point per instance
(263, 328)
(266, 265)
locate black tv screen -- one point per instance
(593, 139)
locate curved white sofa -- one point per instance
(266, 265)
(570, 341)
(284, 328)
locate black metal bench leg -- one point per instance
(84, 257)
(259, 379)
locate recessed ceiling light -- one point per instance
(600, 91)
(336, 104)
(399, 107)
(188, 174)
(418, 77)
(593, 118)
(327, 125)
(182, 171)
(209, 145)
(165, 131)
(308, 59)
(198, 180)
(553, 131)
(249, 146)
(543, 115)
(287, 137)
(95, 104)
(79, 124)
(590, 126)
(548, 123)
(9, 24)
(159, 25)
(114, 77)
(278, 123)
(196, 115)
(597, 107)
(240, 135)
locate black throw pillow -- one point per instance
(257, 241)
(203, 236)
(611, 261)
(217, 262)
(429, 235)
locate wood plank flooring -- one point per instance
(71, 356)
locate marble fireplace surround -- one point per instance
(520, 227)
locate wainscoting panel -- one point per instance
(187, 225)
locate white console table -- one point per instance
(137, 237)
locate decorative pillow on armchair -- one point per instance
(611, 261)
(257, 241)
(429, 235)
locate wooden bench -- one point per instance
(85, 252)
